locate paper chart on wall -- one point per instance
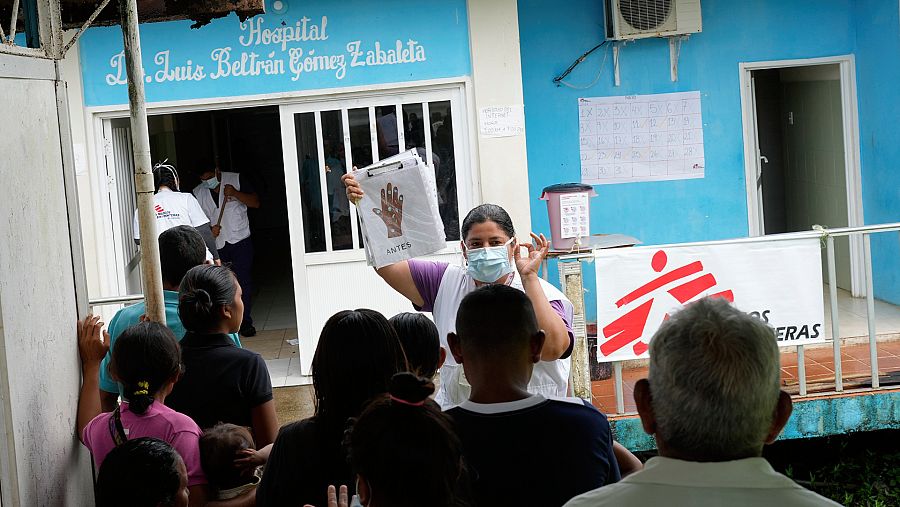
(641, 138)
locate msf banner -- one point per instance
(779, 282)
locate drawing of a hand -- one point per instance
(391, 211)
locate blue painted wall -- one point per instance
(814, 418)
(733, 31)
(877, 76)
(433, 37)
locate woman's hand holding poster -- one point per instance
(399, 210)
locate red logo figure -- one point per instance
(630, 327)
(158, 208)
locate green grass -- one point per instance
(856, 470)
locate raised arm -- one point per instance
(557, 336)
(397, 275)
(92, 350)
(250, 199)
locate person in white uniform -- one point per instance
(174, 208)
(493, 255)
(231, 227)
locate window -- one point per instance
(332, 140)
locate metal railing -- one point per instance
(115, 300)
(827, 236)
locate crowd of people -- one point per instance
(179, 414)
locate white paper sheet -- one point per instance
(641, 138)
(573, 215)
(501, 121)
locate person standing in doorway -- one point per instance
(174, 208)
(225, 198)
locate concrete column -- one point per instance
(497, 77)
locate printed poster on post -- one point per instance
(779, 282)
(641, 138)
(573, 215)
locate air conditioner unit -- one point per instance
(638, 19)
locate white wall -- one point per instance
(41, 461)
(497, 79)
(70, 72)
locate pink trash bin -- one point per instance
(574, 210)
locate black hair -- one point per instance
(496, 319)
(146, 356)
(180, 249)
(219, 447)
(488, 213)
(140, 473)
(204, 290)
(357, 354)
(165, 175)
(407, 449)
(419, 337)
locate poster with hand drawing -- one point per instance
(399, 210)
(391, 210)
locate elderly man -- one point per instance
(712, 401)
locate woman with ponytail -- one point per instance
(405, 452)
(221, 382)
(147, 361)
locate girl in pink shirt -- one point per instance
(147, 361)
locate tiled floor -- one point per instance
(274, 316)
(819, 361)
(853, 321)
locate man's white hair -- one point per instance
(714, 381)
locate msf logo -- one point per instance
(629, 328)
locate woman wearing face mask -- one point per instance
(174, 208)
(493, 255)
(225, 197)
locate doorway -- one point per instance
(309, 256)
(801, 154)
(246, 141)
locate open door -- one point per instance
(120, 178)
(801, 155)
(758, 161)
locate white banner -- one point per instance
(779, 282)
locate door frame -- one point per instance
(850, 117)
(465, 146)
(111, 276)
(301, 260)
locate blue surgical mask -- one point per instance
(490, 263)
(211, 183)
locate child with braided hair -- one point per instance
(147, 362)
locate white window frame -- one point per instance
(112, 273)
(465, 179)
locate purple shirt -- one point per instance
(161, 422)
(427, 276)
